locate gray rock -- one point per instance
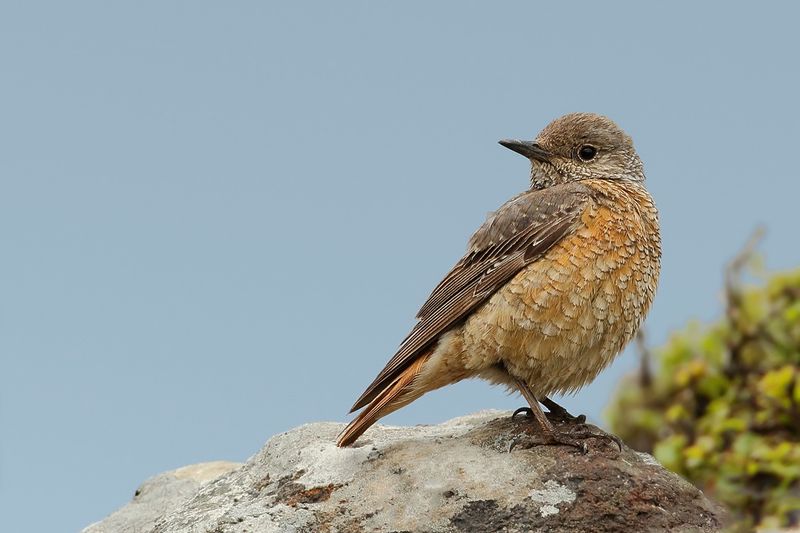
(160, 495)
(454, 477)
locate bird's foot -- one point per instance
(527, 441)
(563, 416)
(584, 431)
(555, 413)
(575, 436)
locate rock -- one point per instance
(160, 495)
(458, 476)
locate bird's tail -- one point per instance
(398, 393)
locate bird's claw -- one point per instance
(584, 431)
(522, 410)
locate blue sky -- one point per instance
(218, 219)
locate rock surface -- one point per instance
(161, 495)
(455, 477)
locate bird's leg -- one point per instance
(559, 414)
(548, 435)
(574, 437)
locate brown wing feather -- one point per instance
(518, 233)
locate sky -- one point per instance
(219, 219)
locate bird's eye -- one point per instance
(587, 152)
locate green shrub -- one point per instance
(722, 407)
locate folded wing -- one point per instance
(514, 236)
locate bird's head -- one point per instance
(579, 146)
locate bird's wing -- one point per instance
(512, 237)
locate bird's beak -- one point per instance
(529, 149)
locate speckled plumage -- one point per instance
(553, 285)
(562, 319)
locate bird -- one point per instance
(552, 286)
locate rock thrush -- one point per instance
(553, 285)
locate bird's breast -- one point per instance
(563, 318)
